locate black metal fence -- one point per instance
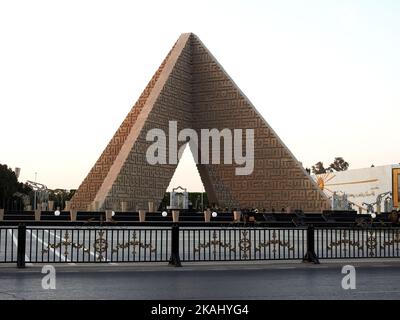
(87, 244)
(8, 244)
(227, 244)
(341, 243)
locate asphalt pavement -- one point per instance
(374, 280)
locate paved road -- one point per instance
(271, 281)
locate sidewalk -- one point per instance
(202, 266)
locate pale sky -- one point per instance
(324, 74)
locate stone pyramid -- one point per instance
(192, 88)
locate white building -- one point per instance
(363, 187)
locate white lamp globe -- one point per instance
(164, 213)
(214, 214)
(57, 212)
(373, 215)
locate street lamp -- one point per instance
(202, 196)
(34, 199)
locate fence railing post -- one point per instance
(175, 259)
(21, 244)
(310, 256)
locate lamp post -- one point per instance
(34, 198)
(202, 197)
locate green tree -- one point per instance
(318, 168)
(11, 191)
(164, 202)
(195, 198)
(339, 164)
(59, 196)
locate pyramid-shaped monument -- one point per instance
(191, 88)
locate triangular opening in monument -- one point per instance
(186, 174)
